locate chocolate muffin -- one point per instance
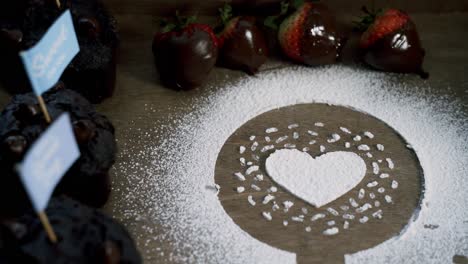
(92, 72)
(84, 235)
(12, 9)
(21, 123)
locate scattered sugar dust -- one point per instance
(169, 194)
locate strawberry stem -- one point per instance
(166, 26)
(225, 13)
(364, 21)
(287, 7)
(183, 21)
(179, 22)
(274, 21)
(297, 3)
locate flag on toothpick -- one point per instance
(45, 163)
(46, 61)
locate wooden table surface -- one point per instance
(209, 7)
(138, 89)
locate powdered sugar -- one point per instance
(267, 216)
(332, 211)
(317, 217)
(254, 146)
(268, 198)
(251, 200)
(239, 176)
(375, 168)
(363, 219)
(319, 124)
(287, 205)
(271, 130)
(281, 139)
(335, 137)
(344, 129)
(380, 147)
(369, 134)
(240, 189)
(251, 169)
(255, 187)
(191, 219)
(331, 231)
(317, 181)
(363, 147)
(241, 149)
(266, 148)
(322, 148)
(390, 163)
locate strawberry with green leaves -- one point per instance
(391, 42)
(242, 44)
(309, 35)
(185, 53)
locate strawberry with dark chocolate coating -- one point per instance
(242, 44)
(185, 53)
(310, 35)
(391, 43)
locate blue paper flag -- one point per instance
(46, 61)
(48, 159)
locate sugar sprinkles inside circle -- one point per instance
(360, 208)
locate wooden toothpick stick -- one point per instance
(44, 109)
(48, 228)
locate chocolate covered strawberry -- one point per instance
(391, 43)
(185, 53)
(310, 35)
(242, 44)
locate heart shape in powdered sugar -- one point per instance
(319, 180)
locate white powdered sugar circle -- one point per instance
(172, 197)
(317, 180)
